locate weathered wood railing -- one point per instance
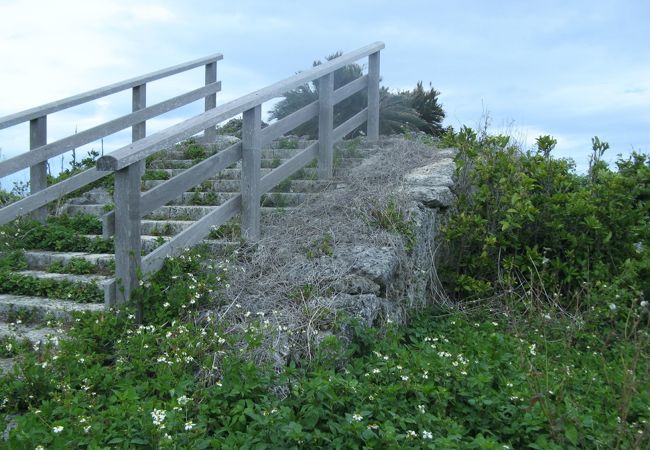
(40, 151)
(126, 162)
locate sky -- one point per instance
(572, 70)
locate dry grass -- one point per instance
(278, 284)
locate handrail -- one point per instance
(40, 150)
(44, 152)
(139, 150)
(58, 105)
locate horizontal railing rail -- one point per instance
(40, 151)
(76, 100)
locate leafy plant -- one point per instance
(394, 219)
(527, 220)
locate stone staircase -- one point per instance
(26, 317)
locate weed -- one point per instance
(230, 230)
(394, 219)
(288, 143)
(322, 247)
(159, 174)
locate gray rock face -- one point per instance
(430, 184)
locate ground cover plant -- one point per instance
(543, 342)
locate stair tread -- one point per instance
(99, 279)
(49, 304)
(33, 333)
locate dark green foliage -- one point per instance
(429, 110)
(526, 220)
(15, 283)
(60, 233)
(394, 219)
(77, 266)
(308, 93)
(398, 112)
(194, 151)
(155, 175)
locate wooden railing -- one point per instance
(126, 163)
(40, 151)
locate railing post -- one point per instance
(210, 134)
(250, 173)
(139, 130)
(38, 172)
(127, 216)
(325, 125)
(127, 231)
(372, 129)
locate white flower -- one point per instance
(189, 425)
(644, 304)
(421, 409)
(158, 417)
(405, 378)
(357, 417)
(39, 447)
(532, 350)
(87, 429)
(57, 429)
(411, 434)
(612, 306)
(427, 435)
(183, 400)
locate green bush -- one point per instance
(527, 221)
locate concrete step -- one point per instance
(39, 308)
(99, 280)
(163, 227)
(98, 196)
(170, 227)
(35, 334)
(150, 243)
(180, 212)
(222, 186)
(97, 210)
(41, 259)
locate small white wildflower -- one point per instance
(421, 409)
(532, 350)
(405, 378)
(189, 425)
(158, 417)
(612, 306)
(183, 400)
(57, 429)
(411, 434)
(427, 435)
(644, 304)
(357, 417)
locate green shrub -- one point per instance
(527, 220)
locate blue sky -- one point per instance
(569, 69)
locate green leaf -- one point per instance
(571, 434)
